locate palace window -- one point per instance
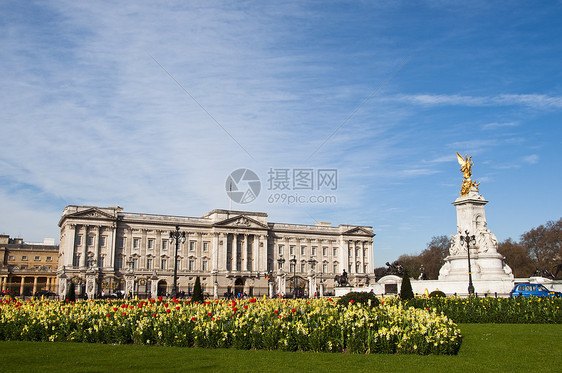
(76, 261)
(163, 264)
(103, 241)
(37, 258)
(204, 265)
(148, 263)
(335, 253)
(303, 248)
(280, 249)
(324, 268)
(136, 243)
(303, 267)
(120, 242)
(191, 265)
(135, 263)
(100, 262)
(150, 243)
(205, 246)
(79, 240)
(164, 244)
(11, 257)
(49, 259)
(119, 262)
(313, 250)
(291, 250)
(24, 257)
(191, 245)
(335, 268)
(90, 240)
(325, 251)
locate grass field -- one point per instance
(485, 348)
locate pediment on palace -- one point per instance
(91, 213)
(358, 231)
(241, 221)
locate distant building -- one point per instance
(26, 268)
(103, 250)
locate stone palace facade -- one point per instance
(104, 249)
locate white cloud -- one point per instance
(495, 125)
(531, 159)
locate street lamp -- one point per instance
(178, 236)
(293, 261)
(469, 239)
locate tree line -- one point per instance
(538, 252)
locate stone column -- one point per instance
(83, 257)
(69, 245)
(244, 253)
(34, 285)
(22, 283)
(234, 251)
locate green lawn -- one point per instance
(486, 347)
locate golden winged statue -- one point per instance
(466, 168)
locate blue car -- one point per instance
(532, 290)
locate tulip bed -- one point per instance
(289, 325)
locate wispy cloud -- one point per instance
(531, 159)
(536, 101)
(494, 125)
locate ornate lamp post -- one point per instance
(293, 262)
(178, 236)
(468, 240)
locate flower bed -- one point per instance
(519, 310)
(291, 325)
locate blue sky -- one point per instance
(150, 106)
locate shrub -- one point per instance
(406, 288)
(359, 297)
(70, 294)
(437, 293)
(197, 293)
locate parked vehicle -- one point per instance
(45, 294)
(532, 290)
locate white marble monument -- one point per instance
(485, 261)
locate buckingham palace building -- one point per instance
(104, 250)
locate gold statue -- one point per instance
(466, 168)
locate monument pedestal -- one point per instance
(485, 261)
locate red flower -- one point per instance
(124, 313)
(210, 314)
(293, 310)
(351, 301)
(160, 299)
(153, 315)
(168, 310)
(275, 312)
(115, 308)
(245, 306)
(235, 309)
(193, 318)
(166, 305)
(108, 315)
(177, 307)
